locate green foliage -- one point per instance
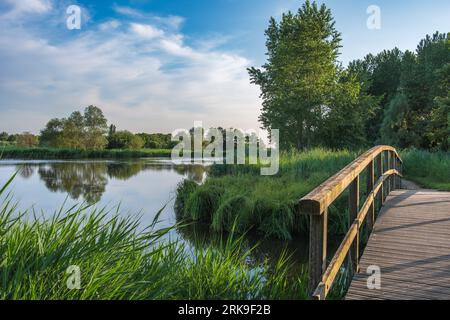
(234, 212)
(204, 201)
(4, 136)
(394, 129)
(300, 75)
(418, 115)
(11, 152)
(95, 128)
(157, 140)
(27, 139)
(430, 170)
(379, 76)
(125, 140)
(77, 132)
(343, 124)
(394, 97)
(184, 189)
(117, 261)
(239, 198)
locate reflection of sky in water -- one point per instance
(140, 187)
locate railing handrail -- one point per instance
(316, 203)
(321, 197)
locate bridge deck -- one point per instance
(411, 245)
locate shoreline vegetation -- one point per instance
(430, 170)
(238, 197)
(116, 261)
(42, 153)
(144, 266)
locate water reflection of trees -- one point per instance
(262, 250)
(77, 179)
(26, 171)
(89, 179)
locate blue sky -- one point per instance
(159, 65)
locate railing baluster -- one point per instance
(370, 220)
(317, 248)
(386, 168)
(398, 179)
(353, 209)
(380, 173)
(392, 178)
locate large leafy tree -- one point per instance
(379, 76)
(73, 133)
(78, 131)
(423, 98)
(300, 75)
(125, 140)
(96, 127)
(51, 134)
(343, 123)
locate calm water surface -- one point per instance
(141, 187)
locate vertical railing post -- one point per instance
(398, 179)
(380, 172)
(393, 165)
(353, 209)
(370, 220)
(385, 168)
(317, 248)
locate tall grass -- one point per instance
(55, 153)
(430, 170)
(238, 196)
(117, 261)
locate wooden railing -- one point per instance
(388, 166)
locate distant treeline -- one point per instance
(86, 131)
(89, 131)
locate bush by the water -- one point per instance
(238, 196)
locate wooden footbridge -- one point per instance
(406, 233)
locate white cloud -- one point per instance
(18, 9)
(143, 75)
(38, 6)
(171, 21)
(146, 31)
(127, 11)
(110, 25)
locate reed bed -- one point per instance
(118, 261)
(56, 153)
(239, 197)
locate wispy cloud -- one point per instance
(144, 75)
(172, 21)
(146, 31)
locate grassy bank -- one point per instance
(53, 153)
(239, 196)
(118, 262)
(429, 170)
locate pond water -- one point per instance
(141, 187)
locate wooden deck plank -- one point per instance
(411, 245)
